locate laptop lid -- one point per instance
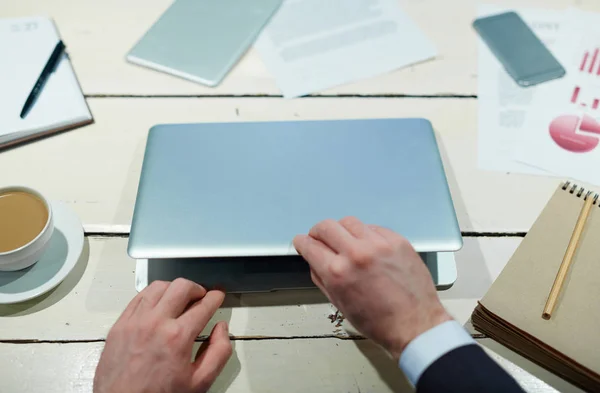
(246, 189)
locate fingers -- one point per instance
(318, 282)
(315, 252)
(354, 226)
(151, 295)
(130, 309)
(394, 239)
(332, 234)
(201, 349)
(178, 296)
(197, 316)
(212, 358)
(386, 233)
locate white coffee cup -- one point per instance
(28, 254)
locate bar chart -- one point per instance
(590, 62)
(575, 99)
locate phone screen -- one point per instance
(521, 52)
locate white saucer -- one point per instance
(57, 262)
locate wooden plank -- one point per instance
(302, 365)
(99, 34)
(86, 305)
(96, 169)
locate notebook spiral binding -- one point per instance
(580, 190)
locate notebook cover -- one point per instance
(519, 294)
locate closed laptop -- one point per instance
(246, 189)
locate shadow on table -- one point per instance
(474, 278)
(230, 372)
(386, 367)
(44, 301)
(461, 210)
(124, 210)
(319, 364)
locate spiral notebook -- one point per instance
(25, 46)
(511, 312)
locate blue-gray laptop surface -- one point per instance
(246, 189)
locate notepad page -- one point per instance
(26, 45)
(520, 292)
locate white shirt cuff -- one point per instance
(428, 347)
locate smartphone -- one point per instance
(521, 52)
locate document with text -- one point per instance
(312, 45)
(503, 105)
(562, 129)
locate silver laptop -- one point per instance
(242, 191)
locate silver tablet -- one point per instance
(201, 40)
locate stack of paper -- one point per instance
(553, 128)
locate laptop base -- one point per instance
(262, 274)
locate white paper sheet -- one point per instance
(563, 130)
(503, 105)
(311, 45)
(26, 45)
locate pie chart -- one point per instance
(563, 131)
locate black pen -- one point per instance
(39, 85)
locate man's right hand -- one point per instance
(149, 349)
(375, 278)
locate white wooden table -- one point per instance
(52, 344)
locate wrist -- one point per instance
(406, 334)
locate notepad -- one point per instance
(511, 312)
(25, 46)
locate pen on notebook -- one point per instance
(569, 254)
(41, 81)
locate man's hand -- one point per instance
(149, 349)
(375, 278)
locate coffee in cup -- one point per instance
(26, 227)
(23, 217)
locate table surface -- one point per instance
(53, 343)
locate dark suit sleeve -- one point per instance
(466, 369)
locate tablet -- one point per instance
(201, 40)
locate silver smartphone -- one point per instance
(519, 50)
(201, 40)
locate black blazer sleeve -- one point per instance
(466, 369)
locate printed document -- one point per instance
(505, 106)
(563, 128)
(312, 45)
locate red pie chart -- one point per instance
(563, 131)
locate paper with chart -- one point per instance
(563, 128)
(311, 45)
(504, 105)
